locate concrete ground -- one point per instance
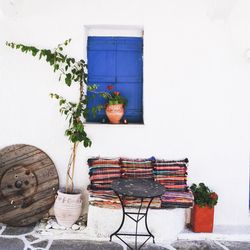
(26, 238)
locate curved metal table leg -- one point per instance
(146, 221)
(123, 217)
(137, 221)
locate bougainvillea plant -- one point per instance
(71, 71)
(203, 196)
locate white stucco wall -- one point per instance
(196, 87)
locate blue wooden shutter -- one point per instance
(117, 61)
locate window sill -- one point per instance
(131, 125)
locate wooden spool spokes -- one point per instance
(28, 184)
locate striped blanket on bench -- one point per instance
(171, 174)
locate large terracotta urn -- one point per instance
(68, 208)
(202, 219)
(115, 112)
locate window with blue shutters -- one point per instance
(117, 61)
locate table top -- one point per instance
(139, 188)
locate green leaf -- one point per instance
(34, 51)
(85, 143)
(56, 67)
(68, 61)
(85, 101)
(62, 101)
(41, 54)
(68, 79)
(67, 42)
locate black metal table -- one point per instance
(137, 188)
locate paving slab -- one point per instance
(196, 245)
(11, 244)
(31, 238)
(84, 245)
(41, 244)
(153, 247)
(236, 245)
(18, 230)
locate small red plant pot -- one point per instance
(202, 219)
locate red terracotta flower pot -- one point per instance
(115, 112)
(202, 219)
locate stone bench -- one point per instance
(105, 214)
(165, 224)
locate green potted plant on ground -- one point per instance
(68, 204)
(202, 215)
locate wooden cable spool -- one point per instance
(28, 184)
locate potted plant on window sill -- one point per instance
(202, 214)
(115, 105)
(68, 204)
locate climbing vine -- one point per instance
(70, 72)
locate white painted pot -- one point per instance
(68, 208)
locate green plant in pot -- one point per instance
(202, 216)
(68, 204)
(115, 105)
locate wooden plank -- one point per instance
(18, 153)
(10, 149)
(34, 208)
(31, 157)
(43, 193)
(25, 161)
(31, 219)
(46, 174)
